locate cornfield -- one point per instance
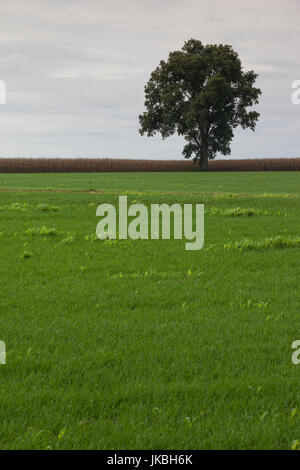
(52, 165)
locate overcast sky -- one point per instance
(75, 72)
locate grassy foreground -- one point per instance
(141, 344)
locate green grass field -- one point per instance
(141, 344)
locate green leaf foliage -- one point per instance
(202, 93)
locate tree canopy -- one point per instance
(202, 93)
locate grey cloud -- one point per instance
(75, 71)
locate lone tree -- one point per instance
(202, 93)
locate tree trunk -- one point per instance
(204, 150)
(204, 158)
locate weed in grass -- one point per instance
(224, 195)
(15, 206)
(237, 211)
(26, 254)
(61, 433)
(277, 241)
(283, 214)
(296, 445)
(92, 238)
(68, 240)
(294, 412)
(262, 304)
(276, 195)
(24, 207)
(43, 231)
(47, 208)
